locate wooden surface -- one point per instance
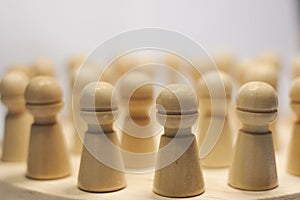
(14, 185)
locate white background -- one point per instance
(59, 29)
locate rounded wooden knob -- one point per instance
(75, 62)
(261, 72)
(270, 58)
(215, 84)
(257, 97)
(44, 67)
(23, 68)
(295, 96)
(12, 88)
(224, 61)
(296, 67)
(98, 96)
(257, 103)
(177, 99)
(43, 90)
(135, 85)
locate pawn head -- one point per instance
(12, 89)
(257, 103)
(43, 96)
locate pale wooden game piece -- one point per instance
(241, 68)
(100, 141)
(17, 120)
(23, 68)
(43, 67)
(74, 64)
(216, 82)
(225, 61)
(178, 175)
(173, 62)
(266, 73)
(293, 161)
(254, 166)
(136, 97)
(296, 67)
(270, 58)
(47, 156)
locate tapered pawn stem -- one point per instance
(214, 104)
(178, 171)
(101, 162)
(254, 166)
(293, 163)
(47, 156)
(17, 119)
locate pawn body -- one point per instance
(47, 155)
(137, 129)
(17, 120)
(254, 167)
(293, 162)
(101, 163)
(178, 170)
(216, 120)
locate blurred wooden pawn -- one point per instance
(270, 58)
(296, 67)
(173, 62)
(101, 162)
(254, 166)
(22, 68)
(225, 61)
(47, 156)
(43, 67)
(136, 96)
(178, 170)
(210, 90)
(17, 120)
(293, 162)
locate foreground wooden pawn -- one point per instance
(266, 73)
(178, 171)
(17, 119)
(210, 90)
(254, 166)
(293, 162)
(47, 155)
(101, 162)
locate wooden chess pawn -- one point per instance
(173, 62)
(293, 163)
(296, 67)
(43, 67)
(210, 90)
(266, 73)
(17, 119)
(138, 140)
(22, 68)
(225, 61)
(270, 58)
(178, 171)
(254, 166)
(47, 156)
(101, 162)
(73, 68)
